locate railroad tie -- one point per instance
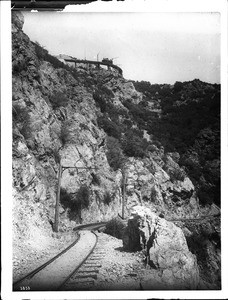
(86, 274)
(88, 271)
(95, 258)
(92, 265)
(83, 284)
(91, 275)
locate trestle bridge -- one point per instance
(104, 62)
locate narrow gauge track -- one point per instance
(53, 274)
(84, 276)
(94, 62)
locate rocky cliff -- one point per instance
(84, 119)
(165, 246)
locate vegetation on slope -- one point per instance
(183, 118)
(190, 125)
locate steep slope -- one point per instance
(189, 122)
(97, 126)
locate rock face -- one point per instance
(55, 120)
(166, 248)
(149, 183)
(17, 20)
(67, 115)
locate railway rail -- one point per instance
(77, 266)
(96, 63)
(85, 274)
(57, 273)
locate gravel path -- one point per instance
(28, 256)
(116, 269)
(120, 270)
(111, 268)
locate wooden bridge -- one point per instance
(94, 62)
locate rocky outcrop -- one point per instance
(60, 116)
(55, 118)
(150, 183)
(166, 248)
(55, 121)
(124, 90)
(17, 20)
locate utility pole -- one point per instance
(85, 53)
(56, 224)
(61, 170)
(124, 191)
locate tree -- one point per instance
(178, 86)
(134, 145)
(114, 154)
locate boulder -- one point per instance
(165, 246)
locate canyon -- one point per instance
(148, 153)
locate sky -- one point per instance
(155, 47)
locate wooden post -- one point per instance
(56, 224)
(124, 192)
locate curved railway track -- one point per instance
(57, 273)
(85, 275)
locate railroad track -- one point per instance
(85, 275)
(67, 267)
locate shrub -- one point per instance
(58, 99)
(153, 195)
(43, 54)
(64, 134)
(152, 148)
(146, 87)
(135, 110)
(128, 123)
(178, 86)
(19, 113)
(54, 61)
(95, 179)
(177, 174)
(84, 126)
(21, 116)
(56, 155)
(100, 101)
(115, 227)
(114, 154)
(106, 91)
(40, 51)
(75, 202)
(107, 198)
(111, 128)
(82, 198)
(65, 198)
(19, 66)
(134, 145)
